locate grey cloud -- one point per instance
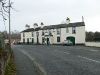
(53, 11)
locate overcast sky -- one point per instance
(54, 12)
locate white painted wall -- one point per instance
(40, 36)
(93, 44)
(79, 36)
(35, 37)
(21, 38)
(27, 35)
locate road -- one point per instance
(58, 60)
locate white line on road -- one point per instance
(94, 50)
(89, 59)
(37, 66)
(66, 53)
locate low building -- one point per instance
(55, 34)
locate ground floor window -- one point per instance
(23, 40)
(32, 40)
(27, 40)
(58, 39)
(43, 40)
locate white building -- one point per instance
(55, 34)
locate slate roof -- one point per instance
(77, 24)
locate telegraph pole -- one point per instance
(9, 26)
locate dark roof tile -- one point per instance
(77, 24)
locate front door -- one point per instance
(27, 40)
(48, 41)
(72, 39)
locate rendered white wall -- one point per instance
(93, 44)
(79, 36)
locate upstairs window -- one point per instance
(73, 30)
(37, 33)
(58, 31)
(32, 34)
(42, 32)
(50, 32)
(67, 30)
(23, 40)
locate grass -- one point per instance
(10, 67)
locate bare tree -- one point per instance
(4, 9)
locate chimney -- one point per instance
(67, 20)
(35, 25)
(27, 26)
(82, 19)
(42, 24)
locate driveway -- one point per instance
(57, 60)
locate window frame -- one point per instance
(58, 31)
(58, 39)
(37, 33)
(73, 30)
(32, 34)
(32, 40)
(43, 32)
(23, 40)
(23, 34)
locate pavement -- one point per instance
(57, 60)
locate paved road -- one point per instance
(23, 64)
(60, 60)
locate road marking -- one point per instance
(89, 59)
(66, 53)
(94, 50)
(37, 66)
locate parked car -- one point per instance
(67, 42)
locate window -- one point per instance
(58, 31)
(58, 39)
(37, 33)
(67, 30)
(42, 32)
(73, 30)
(32, 34)
(23, 34)
(50, 32)
(28, 40)
(32, 40)
(43, 40)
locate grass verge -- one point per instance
(10, 68)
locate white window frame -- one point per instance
(73, 30)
